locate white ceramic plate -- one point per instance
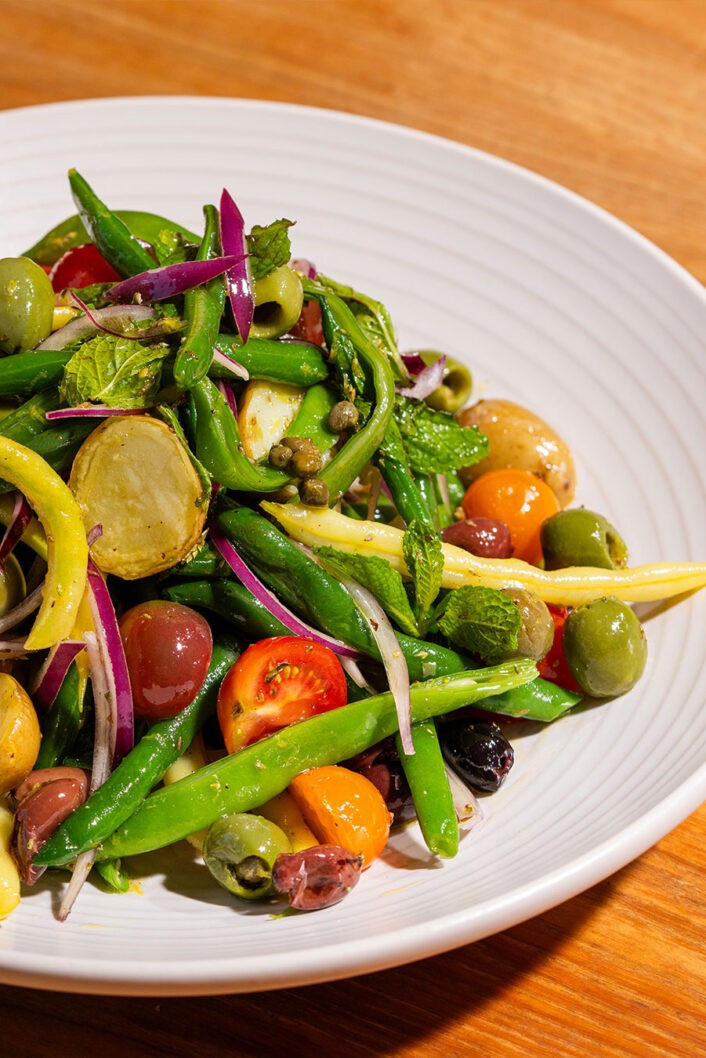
(554, 304)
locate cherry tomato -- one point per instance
(168, 649)
(276, 682)
(308, 327)
(81, 267)
(520, 499)
(554, 666)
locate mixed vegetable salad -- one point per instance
(268, 584)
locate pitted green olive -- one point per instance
(578, 537)
(605, 647)
(26, 304)
(456, 385)
(240, 851)
(278, 303)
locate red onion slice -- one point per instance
(238, 281)
(18, 613)
(425, 381)
(19, 520)
(228, 395)
(263, 594)
(113, 319)
(466, 805)
(160, 283)
(114, 664)
(51, 675)
(12, 648)
(230, 365)
(92, 411)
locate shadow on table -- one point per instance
(379, 1014)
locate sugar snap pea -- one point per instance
(297, 363)
(203, 309)
(138, 771)
(429, 785)
(112, 237)
(257, 773)
(71, 232)
(26, 373)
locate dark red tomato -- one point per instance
(276, 682)
(308, 327)
(168, 649)
(81, 267)
(554, 666)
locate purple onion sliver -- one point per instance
(161, 283)
(19, 520)
(51, 675)
(115, 665)
(229, 396)
(92, 411)
(82, 326)
(428, 379)
(233, 241)
(263, 594)
(413, 362)
(307, 268)
(230, 365)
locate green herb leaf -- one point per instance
(377, 576)
(119, 372)
(170, 247)
(373, 319)
(269, 247)
(480, 620)
(434, 441)
(421, 550)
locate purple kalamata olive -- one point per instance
(39, 814)
(42, 776)
(485, 537)
(317, 877)
(381, 764)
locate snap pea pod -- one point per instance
(62, 723)
(26, 373)
(72, 232)
(360, 448)
(29, 419)
(409, 499)
(203, 309)
(137, 772)
(429, 785)
(112, 237)
(114, 875)
(318, 596)
(293, 362)
(247, 779)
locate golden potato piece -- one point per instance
(19, 733)
(519, 438)
(133, 477)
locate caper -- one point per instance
(605, 647)
(343, 416)
(240, 851)
(280, 456)
(456, 384)
(26, 304)
(306, 463)
(579, 537)
(296, 444)
(536, 633)
(314, 492)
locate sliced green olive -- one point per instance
(579, 537)
(605, 647)
(240, 851)
(26, 304)
(278, 303)
(456, 385)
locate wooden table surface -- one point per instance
(608, 98)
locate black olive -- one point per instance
(478, 752)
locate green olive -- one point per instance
(240, 851)
(26, 304)
(278, 303)
(605, 647)
(536, 633)
(578, 537)
(12, 585)
(455, 388)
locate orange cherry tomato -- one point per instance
(343, 808)
(520, 499)
(276, 682)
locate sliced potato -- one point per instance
(266, 412)
(133, 477)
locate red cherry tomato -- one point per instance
(168, 649)
(554, 666)
(81, 267)
(309, 327)
(276, 682)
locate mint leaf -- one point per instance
(269, 247)
(170, 247)
(434, 441)
(377, 576)
(421, 550)
(480, 620)
(119, 372)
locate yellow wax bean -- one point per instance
(9, 877)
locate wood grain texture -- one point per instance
(606, 97)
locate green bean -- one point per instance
(113, 874)
(246, 779)
(62, 723)
(112, 237)
(26, 422)
(26, 373)
(71, 232)
(429, 785)
(203, 309)
(293, 362)
(137, 772)
(406, 492)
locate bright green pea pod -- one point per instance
(312, 418)
(292, 362)
(72, 232)
(114, 875)
(112, 237)
(428, 782)
(278, 303)
(203, 309)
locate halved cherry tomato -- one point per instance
(167, 649)
(81, 267)
(520, 499)
(276, 682)
(308, 327)
(554, 666)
